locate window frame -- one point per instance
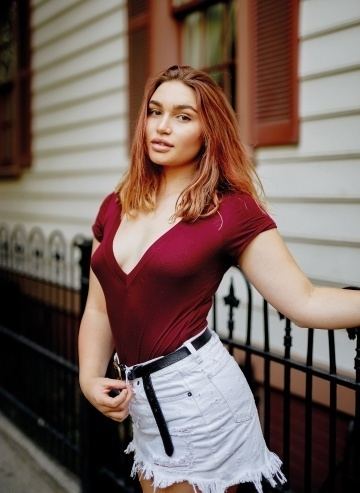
(226, 67)
(165, 21)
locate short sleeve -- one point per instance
(245, 220)
(99, 223)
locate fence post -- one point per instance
(84, 262)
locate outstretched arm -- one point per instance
(269, 266)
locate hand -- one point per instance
(97, 391)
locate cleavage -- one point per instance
(136, 236)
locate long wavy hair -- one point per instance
(223, 163)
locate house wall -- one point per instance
(314, 187)
(79, 115)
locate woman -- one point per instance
(188, 208)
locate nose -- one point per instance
(164, 125)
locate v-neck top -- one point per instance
(165, 299)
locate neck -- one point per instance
(175, 180)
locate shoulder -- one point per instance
(109, 208)
(111, 198)
(109, 204)
(235, 204)
(243, 218)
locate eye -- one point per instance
(184, 118)
(153, 112)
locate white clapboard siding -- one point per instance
(313, 188)
(337, 135)
(45, 11)
(25, 209)
(64, 70)
(322, 97)
(64, 185)
(54, 18)
(331, 221)
(318, 16)
(327, 263)
(321, 138)
(111, 104)
(333, 51)
(93, 132)
(289, 178)
(112, 158)
(73, 39)
(94, 83)
(79, 115)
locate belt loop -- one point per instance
(127, 371)
(193, 351)
(117, 366)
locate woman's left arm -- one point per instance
(270, 267)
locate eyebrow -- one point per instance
(177, 107)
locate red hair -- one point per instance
(223, 164)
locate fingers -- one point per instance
(116, 402)
(117, 416)
(113, 387)
(113, 383)
(118, 409)
(123, 398)
(111, 397)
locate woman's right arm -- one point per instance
(95, 350)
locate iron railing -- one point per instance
(39, 316)
(43, 287)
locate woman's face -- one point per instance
(173, 130)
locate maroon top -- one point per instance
(166, 298)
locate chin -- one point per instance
(159, 162)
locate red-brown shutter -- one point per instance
(23, 91)
(15, 112)
(276, 72)
(138, 12)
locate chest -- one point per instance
(171, 253)
(136, 236)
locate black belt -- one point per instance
(144, 372)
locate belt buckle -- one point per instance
(119, 369)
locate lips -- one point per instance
(161, 143)
(160, 146)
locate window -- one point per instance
(208, 39)
(250, 47)
(15, 152)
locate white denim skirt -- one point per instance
(213, 422)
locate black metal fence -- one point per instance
(43, 286)
(40, 309)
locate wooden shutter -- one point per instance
(138, 12)
(276, 72)
(23, 92)
(15, 142)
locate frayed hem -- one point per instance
(271, 472)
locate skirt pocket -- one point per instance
(231, 385)
(179, 417)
